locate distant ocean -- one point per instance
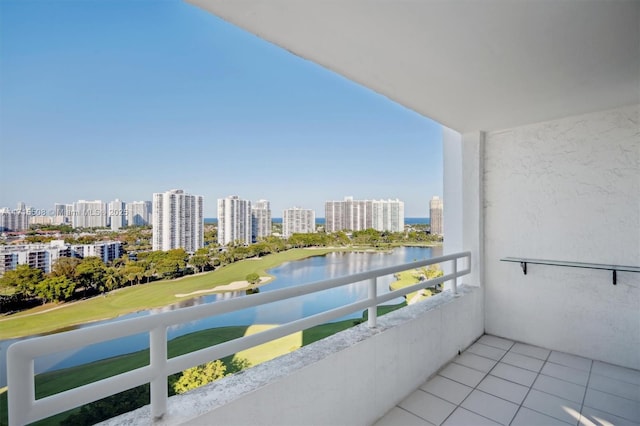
(321, 221)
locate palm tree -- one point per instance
(112, 279)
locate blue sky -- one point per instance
(119, 99)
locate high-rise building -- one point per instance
(234, 220)
(60, 214)
(117, 214)
(260, 220)
(14, 220)
(177, 221)
(356, 215)
(298, 221)
(139, 213)
(435, 215)
(59, 209)
(89, 214)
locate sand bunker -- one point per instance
(234, 286)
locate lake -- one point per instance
(289, 274)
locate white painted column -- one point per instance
(463, 199)
(473, 204)
(452, 197)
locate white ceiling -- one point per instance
(471, 65)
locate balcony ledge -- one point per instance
(324, 358)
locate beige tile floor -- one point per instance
(501, 382)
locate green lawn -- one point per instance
(140, 297)
(61, 380)
(407, 278)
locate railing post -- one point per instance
(21, 387)
(454, 283)
(373, 297)
(158, 362)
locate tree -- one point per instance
(171, 263)
(55, 289)
(91, 271)
(200, 375)
(200, 261)
(24, 279)
(133, 272)
(112, 279)
(109, 407)
(433, 271)
(65, 267)
(367, 236)
(253, 278)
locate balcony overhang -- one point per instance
(471, 65)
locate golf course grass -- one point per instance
(58, 381)
(407, 278)
(158, 294)
(146, 296)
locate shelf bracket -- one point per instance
(615, 277)
(523, 265)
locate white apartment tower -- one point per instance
(13, 220)
(298, 221)
(435, 216)
(356, 215)
(60, 213)
(89, 214)
(139, 213)
(117, 214)
(177, 221)
(234, 220)
(260, 220)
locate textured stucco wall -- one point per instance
(567, 189)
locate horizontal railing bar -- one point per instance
(419, 286)
(21, 354)
(224, 349)
(99, 333)
(67, 400)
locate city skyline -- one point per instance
(177, 98)
(128, 214)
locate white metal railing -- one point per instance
(24, 408)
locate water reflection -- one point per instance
(289, 274)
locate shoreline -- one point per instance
(115, 304)
(40, 327)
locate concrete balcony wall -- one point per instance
(566, 189)
(353, 377)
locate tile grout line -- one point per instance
(476, 386)
(586, 389)
(414, 414)
(636, 401)
(538, 374)
(531, 387)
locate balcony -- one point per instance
(428, 363)
(541, 161)
(498, 381)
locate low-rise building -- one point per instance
(44, 256)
